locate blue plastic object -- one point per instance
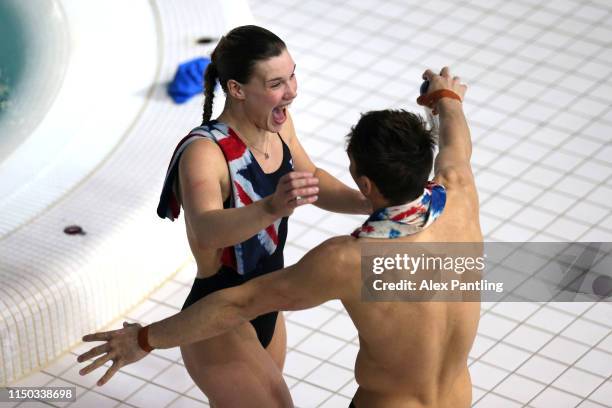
(188, 80)
(424, 87)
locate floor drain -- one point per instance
(74, 230)
(205, 40)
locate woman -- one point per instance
(239, 178)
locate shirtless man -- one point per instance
(411, 354)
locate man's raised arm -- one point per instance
(455, 144)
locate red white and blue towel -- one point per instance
(405, 219)
(248, 185)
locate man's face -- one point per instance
(357, 179)
(352, 167)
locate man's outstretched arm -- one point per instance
(318, 277)
(308, 283)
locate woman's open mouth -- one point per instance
(279, 114)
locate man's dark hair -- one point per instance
(394, 149)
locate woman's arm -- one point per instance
(203, 175)
(337, 197)
(334, 195)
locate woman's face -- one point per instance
(269, 92)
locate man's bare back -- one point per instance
(414, 354)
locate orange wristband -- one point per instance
(431, 99)
(143, 339)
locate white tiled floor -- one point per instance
(539, 106)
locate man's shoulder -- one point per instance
(340, 252)
(462, 194)
(338, 265)
(455, 177)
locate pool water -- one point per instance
(34, 53)
(13, 43)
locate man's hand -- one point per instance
(121, 346)
(444, 81)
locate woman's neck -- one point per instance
(235, 117)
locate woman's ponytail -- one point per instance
(210, 80)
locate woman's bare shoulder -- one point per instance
(287, 133)
(203, 162)
(202, 152)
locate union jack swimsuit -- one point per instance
(249, 184)
(261, 253)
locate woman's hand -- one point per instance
(293, 190)
(121, 347)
